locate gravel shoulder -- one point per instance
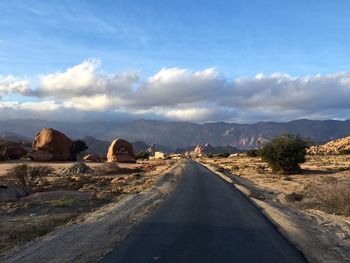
(98, 232)
(321, 237)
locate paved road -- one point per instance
(205, 220)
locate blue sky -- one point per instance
(123, 46)
(237, 37)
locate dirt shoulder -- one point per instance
(93, 235)
(320, 236)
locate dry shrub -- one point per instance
(293, 197)
(30, 175)
(333, 197)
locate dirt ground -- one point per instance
(310, 208)
(22, 221)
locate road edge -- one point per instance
(291, 230)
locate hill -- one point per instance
(338, 146)
(176, 135)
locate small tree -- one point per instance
(78, 147)
(284, 153)
(142, 155)
(253, 153)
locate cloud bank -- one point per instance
(85, 92)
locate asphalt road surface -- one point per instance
(205, 219)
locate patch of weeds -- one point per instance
(261, 169)
(30, 175)
(333, 197)
(287, 178)
(294, 197)
(136, 176)
(234, 168)
(42, 231)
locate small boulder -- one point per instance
(53, 142)
(92, 158)
(41, 156)
(10, 193)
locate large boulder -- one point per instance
(53, 142)
(120, 151)
(10, 193)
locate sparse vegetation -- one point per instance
(29, 176)
(142, 155)
(293, 197)
(284, 153)
(43, 230)
(331, 197)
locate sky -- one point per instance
(237, 61)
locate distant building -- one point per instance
(159, 155)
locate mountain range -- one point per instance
(174, 135)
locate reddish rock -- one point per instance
(40, 156)
(53, 142)
(120, 151)
(15, 152)
(92, 158)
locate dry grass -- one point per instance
(330, 197)
(323, 184)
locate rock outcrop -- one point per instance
(53, 142)
(120, 151)
(10, 193)
(340, 146)
(58, 195)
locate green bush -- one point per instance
(284, 153)
(142, 155)
(253, 153)
(220, 155)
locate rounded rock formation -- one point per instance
(15, 152)
(120, 151)
(53, 142)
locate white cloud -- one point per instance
(181, 94)
(11, 85)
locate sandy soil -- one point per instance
(323, 237)
(23, 221)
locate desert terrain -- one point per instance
(76, 192)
